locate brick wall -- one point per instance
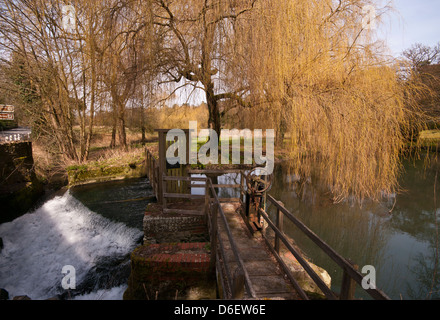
(167, 228)
(162, 270)
(173, 260)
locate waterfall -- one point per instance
(63, 232)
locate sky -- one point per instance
(415, 21)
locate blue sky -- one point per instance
(414, 21)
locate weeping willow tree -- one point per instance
(315, 72)
(196, 38)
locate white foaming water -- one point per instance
(104, 294)
(61, 232)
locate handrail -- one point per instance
(319, 282)
(349, 271)
(238, 258)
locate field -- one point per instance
(52, 168)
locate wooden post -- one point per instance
(348, 286)
(164, 186)
(214, 217)
(162, 165)
(279, 225)
(147, 157)
(238, 284)
(154, 176)
(207, 198)
(242, 190)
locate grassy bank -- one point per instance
(103, 161)
(53, 170)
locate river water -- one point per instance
(402, 245)
(92, 228)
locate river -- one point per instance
(397, 236)
(92, 228)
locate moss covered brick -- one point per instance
(80, 174)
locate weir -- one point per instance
(245, 245)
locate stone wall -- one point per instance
(169, 228)
(19, 186)
(174, 229)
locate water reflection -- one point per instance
(398, 236)
(121, 201)
(400, 245)
(417, 216)
(354, 232)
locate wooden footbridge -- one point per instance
(247, 259)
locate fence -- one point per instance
(351, 275)
(233, 284)
(15, 137)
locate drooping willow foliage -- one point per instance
(311, 69)
(317, 74)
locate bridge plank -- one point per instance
(266, 277)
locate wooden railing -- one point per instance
(351, 275)
(178, 195)
(221, 185)
(233, 284)
(153, 172)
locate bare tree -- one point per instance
(60, 64)
(126, 50)
(99, 55)
(420, 55)
(195, 47)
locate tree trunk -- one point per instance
(113, 141)
(122, 134)
(88, 137)
(214, 121)
(143, 140)
(121, 126)
(65, 142)
(142, 124)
